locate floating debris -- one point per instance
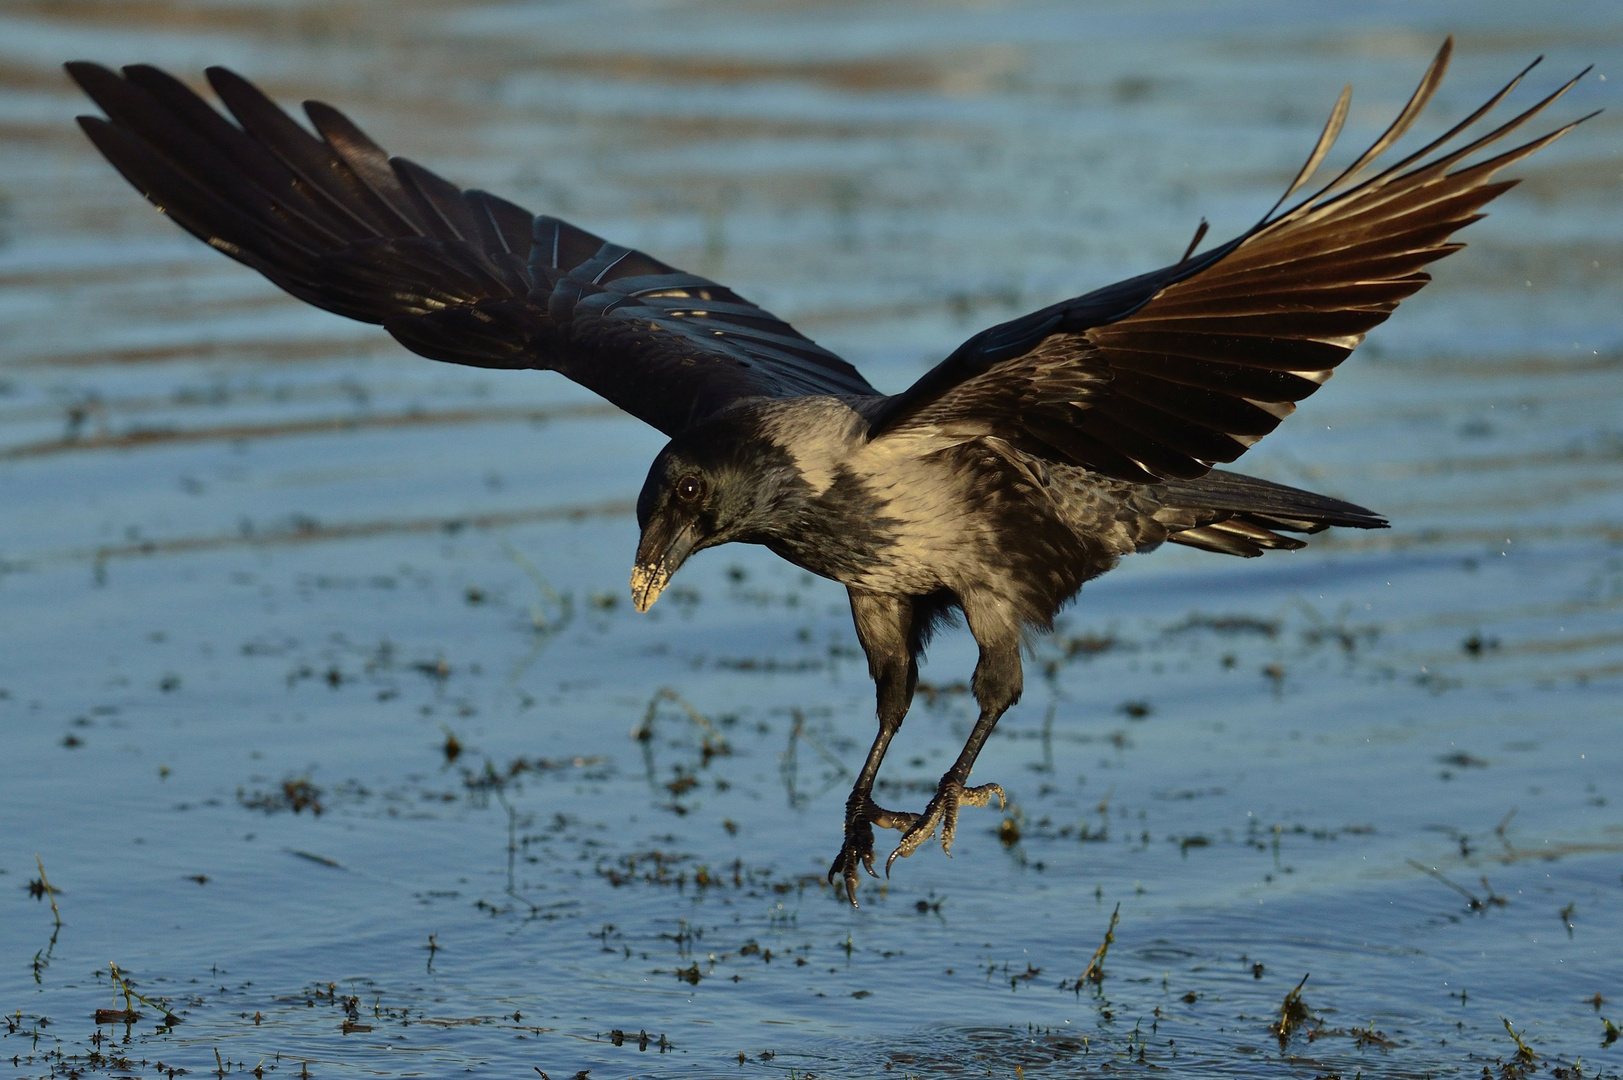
(1292, 1015)
(1095, 971)
(297, 794)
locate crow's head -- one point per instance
(713, 484)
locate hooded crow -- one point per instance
(1023, 465)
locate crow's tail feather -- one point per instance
(1242, 515)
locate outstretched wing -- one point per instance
(455, 275)
(1163, 375)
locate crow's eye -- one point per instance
(687, 488)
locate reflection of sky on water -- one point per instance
(247, 544)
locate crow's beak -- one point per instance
(659, 555)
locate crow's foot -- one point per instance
(861, 815)
(942, 813)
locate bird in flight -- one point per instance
(1023, 465)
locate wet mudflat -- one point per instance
(327, 716)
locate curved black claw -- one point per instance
(942, 813)
(861, 815)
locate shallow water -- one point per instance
(262, 572)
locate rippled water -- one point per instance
(320, 690)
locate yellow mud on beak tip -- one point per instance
(647, 582)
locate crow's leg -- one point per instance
(885, 626)
(998, 682)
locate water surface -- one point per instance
(322, 695)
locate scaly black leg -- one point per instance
(998, 683)
(885, 626)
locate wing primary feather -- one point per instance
(1515, 122)
(365, 160)
(198, 210)
(1392, 173)
(164, 116)
(1437, 170)
(1411, 112)
(310, 159)
(1510, 157)
(255, 164)
(1327, 138)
